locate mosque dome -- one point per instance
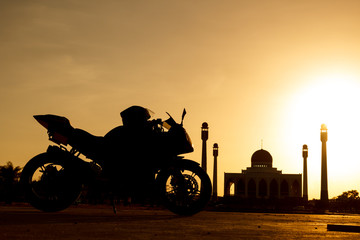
(261, 158)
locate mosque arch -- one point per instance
(262, 188)
(284, 188)
(229, 186)
(274, 189)
(252, 188)
(232, 189)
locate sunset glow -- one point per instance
(330, 98)
(260, 73)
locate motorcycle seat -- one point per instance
(85, 142)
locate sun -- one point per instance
(332, 99)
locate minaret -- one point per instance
(324, 198)
(215, 153)
(204, 137)
(305, 186)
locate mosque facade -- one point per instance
(262, 181)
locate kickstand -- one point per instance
(113, 201)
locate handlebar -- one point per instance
(155, 122)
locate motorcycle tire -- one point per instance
(185, 189)
(49, 184)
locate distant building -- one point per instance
(262, 181)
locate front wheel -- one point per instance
(185, 188)
(49, 184)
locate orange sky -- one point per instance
(254, 70)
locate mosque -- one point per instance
(262, 181)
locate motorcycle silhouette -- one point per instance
(139, 159)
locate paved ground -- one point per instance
(88, 222)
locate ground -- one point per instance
(99, 222)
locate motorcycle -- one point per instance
(139, 158)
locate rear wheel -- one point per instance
(49, 184)
(185, 189)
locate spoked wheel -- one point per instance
(185, 189)
(49, 184)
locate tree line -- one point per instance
(348, 201)
(9, 183)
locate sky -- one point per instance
(260, 73)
